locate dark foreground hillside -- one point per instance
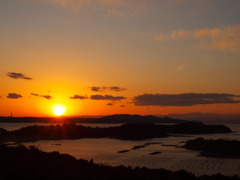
(24, 163)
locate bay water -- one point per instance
(153, 153)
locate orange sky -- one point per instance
(122, 56)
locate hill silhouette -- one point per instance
(127, 118)
(117, 118)
(208, 117)
(20, 162)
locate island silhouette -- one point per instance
(133, 131)
(215, 148)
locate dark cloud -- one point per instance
(116, 88)
(44, 96)
(13, 96)
(79, 97)
(188, 99)
(47, 97)
(122, 106)
(107, 97)
(109, 104)
(95, 88)
(104, 88)
(17, 76)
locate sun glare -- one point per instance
(59, 109)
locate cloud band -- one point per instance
(187, 99)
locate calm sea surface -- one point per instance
(104, 150)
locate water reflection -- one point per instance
(105, 151)
(171, 155)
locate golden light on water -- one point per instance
(59, 109)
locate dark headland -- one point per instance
(215, 148)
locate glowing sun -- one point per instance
(59, 109)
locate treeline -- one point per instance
(21, 163)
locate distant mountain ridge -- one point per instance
(112, 119)
(127, 118)
(207, 117)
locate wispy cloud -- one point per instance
(14, 96)
(43, 96)
(223, 38)
(105, 88)
(181, 67)
(107, 97)
(187, 99)
(119, 8)
(120, 13)
(15, 75)
(79, 97)
(83, 3)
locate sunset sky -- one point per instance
(100, 57)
